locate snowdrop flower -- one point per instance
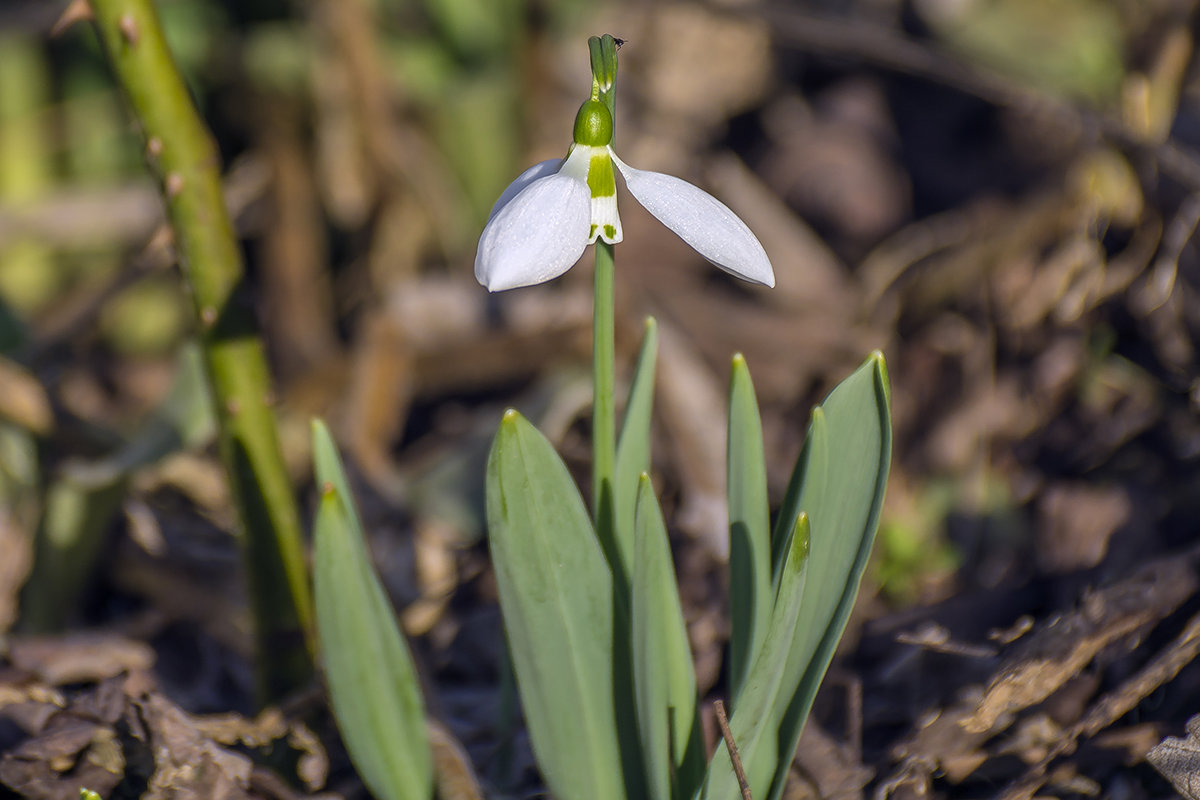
(545, 219)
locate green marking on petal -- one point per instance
(610, 232)
(592, 231)
(600, 176)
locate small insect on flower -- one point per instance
(545, 219)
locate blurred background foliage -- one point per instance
(999, 193)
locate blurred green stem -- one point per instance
(183, 155)
(69, 543)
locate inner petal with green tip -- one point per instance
(601, 180)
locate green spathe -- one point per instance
(603, 53)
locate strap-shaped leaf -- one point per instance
(633, 451)
(556, 595)
(755, 721)
(664, 677)
(750, 595)
(373, 684)
(840, 484)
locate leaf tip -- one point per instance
(876, 358)
(881, 375)
(328, 489)
(511, 417)
(801, 532)
(739, 376)
(320, 431)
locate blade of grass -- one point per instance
(841, 486)
(633, 453)
(749, 529)
(632, 460)
(556, 595)
(664, 676)
(754, 723)
(373, 684)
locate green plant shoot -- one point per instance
(593, 617)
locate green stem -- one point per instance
(604, 413)
(182, 153)
(603, 53)
(604, 459)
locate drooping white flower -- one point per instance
(545, 219)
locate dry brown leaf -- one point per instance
(71, 752)
(380, 390)
(79, 657)
(705, 66)
(1076, 522)
(1040, 664)
(23, 401)
(452, 766)
(187, 763)
(941, 740)
(1046, 660)
(264, 730)
(832, 767)
(1133, 742)
(1179, 760)
(435, 546)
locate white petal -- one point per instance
(701, 220)
(537, 235)
(606, 222)
(541, 170)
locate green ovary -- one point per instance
(593, 124)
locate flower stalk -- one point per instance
(604, 413)
(603, 51)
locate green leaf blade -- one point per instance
(664, 676)
(840, 482)
(373, 684)
(749, 529)
(633, 453)
(556, 596)
(755, 722)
